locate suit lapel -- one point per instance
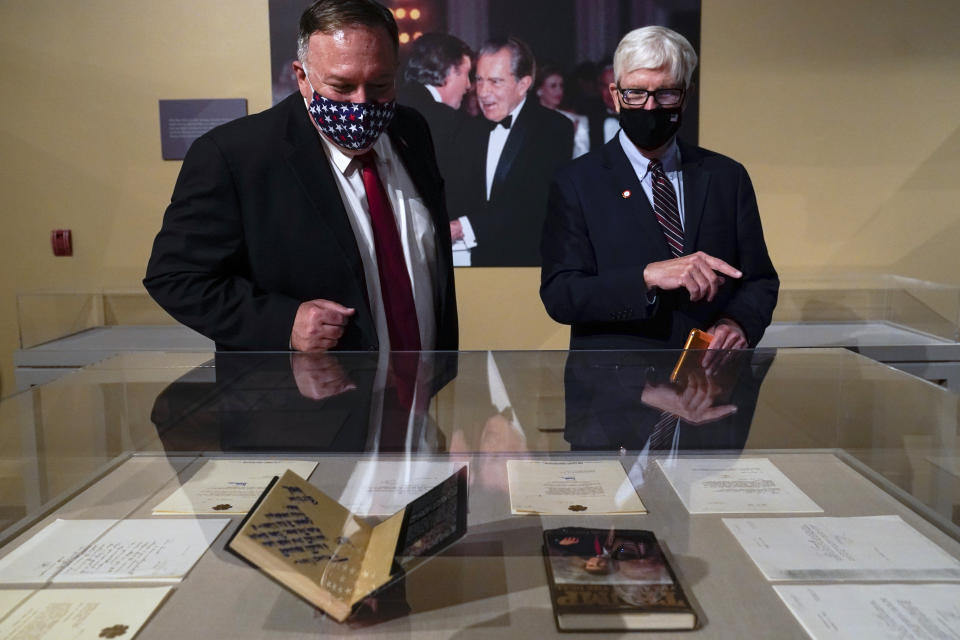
(312, 170)
(635, 206)
(518, 132)
(696, 181)
(420, 173)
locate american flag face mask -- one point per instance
(351, 125)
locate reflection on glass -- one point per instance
(625, 400)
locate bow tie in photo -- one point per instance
(505, 123)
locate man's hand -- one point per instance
(319, 376)
(696, 273)
(727, 334)
(319, 325)
(456, 230)
(694, 403)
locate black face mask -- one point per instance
(650, 129)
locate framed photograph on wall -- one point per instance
(497, 170)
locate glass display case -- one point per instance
(112, 441)
(911, 324)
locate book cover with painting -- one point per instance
(604, 579)
(332, 558)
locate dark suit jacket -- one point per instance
(451, 130)
(596, 244)
(508, 226)
(256, 226)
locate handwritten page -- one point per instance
(860, 548)
(879, 612)
(734, 485)
(228, 486)
(586, 487)
(56, 614)
(309, 542)
(144, 550)
(383, 487)
(51, 549)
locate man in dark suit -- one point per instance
(510, 164)
(646, 238)
(436, 77)
(302, 227)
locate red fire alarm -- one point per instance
(62, 244)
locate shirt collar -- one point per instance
(433, 92)
(514, 113)
(670, 158)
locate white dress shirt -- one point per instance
(495, 144)
(417, 233)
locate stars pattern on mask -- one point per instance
(351, 125)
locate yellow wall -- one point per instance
(844, 112)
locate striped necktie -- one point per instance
(665, 208)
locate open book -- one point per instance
(333, 559)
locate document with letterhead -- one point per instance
(734, 485)
(228, 486)
(586, 487)
(876, 611)
(858, 548)
(56, 614)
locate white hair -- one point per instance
(652, 48)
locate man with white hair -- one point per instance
(647, 238)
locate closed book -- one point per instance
(613, 579)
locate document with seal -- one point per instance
(858, 548)
(734, 485)
(55, 614)
(568, 487)
(70, 551)
(876, 611)
(223, 486)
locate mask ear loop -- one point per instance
(306, 74)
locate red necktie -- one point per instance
(665, 208)
(395, 288)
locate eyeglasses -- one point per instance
(663, 97)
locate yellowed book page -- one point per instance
(378, 560)
(307, 541)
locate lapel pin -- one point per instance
(626, 194)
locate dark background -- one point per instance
(563, 32)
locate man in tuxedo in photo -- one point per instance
(436, 77)
(647, 237)
(302, 227)
(512, 160)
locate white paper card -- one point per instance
(734, 485)
(75, 614)
(144, 550)
(383, 487)
(585, 487)
(50, 550)
(862, 548)
(878, 612)
(110, 550)
(228, 486)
